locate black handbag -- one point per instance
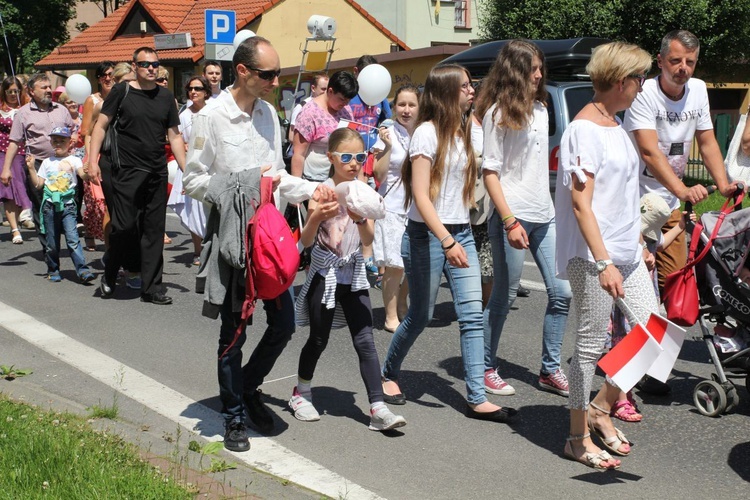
(109, 145)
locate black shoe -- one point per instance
(503, 415)
(259, 414)
(397, 399)
(235, 438)
(523, 291)
(650, 385)
(157, 298)
(106, 289)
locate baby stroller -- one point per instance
(725, 302)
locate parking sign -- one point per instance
(220, 26)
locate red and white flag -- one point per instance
(670, 338)
(628, 361)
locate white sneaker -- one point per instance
(303, 408)
(384, 420)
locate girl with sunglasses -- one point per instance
(335, 292)
(439, 176)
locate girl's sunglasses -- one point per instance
(347, 157)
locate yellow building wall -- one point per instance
(285, 25)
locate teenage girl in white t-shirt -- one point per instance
(390, 153)
(515, 168)
(439, 178)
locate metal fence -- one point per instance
(696, 173)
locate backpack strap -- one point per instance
(266, 191)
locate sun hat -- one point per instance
(654, 214)
(361, 199)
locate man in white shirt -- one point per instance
(240, 131)
(671, 110)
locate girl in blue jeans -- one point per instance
(439, 176)
(515, 173)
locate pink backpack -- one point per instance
(271, 255)
(275, 258)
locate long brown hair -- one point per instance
(508, 85)
(439, 104)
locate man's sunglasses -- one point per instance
(347, 157)
(266, 74)
(146, 64)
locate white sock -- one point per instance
(374, 407)
(304, 387)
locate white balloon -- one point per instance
(241, 36)
(374, 84)
(78, 88)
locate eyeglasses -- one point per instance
(347, 157)
(466, 86)
(146, 64)
(641, 79)
(12, 92)
(197, 89)
(162, 79)
(107, 75)
(266, 74)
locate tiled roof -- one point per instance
(96, 43)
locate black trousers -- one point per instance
(137, 210)
(358, 313)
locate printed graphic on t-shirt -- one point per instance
(677, 157)
(62, 179)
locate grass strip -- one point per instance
(47, 454)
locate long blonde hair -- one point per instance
(440, 105)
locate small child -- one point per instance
(57, 176)
(336, 286)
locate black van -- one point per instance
(568, 84)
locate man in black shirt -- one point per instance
(146, 118)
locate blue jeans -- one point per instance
(425, 264)
(508, 265)
(236, 380)
(56, 224)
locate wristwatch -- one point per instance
(601, 265)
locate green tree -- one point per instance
(33, 29)
(723, 27)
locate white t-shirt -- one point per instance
(449, 204)
(59, 174)
(297, 109)
(675, 123)
(520, 159)
(608, 154)
(393, 186)
(186, 124)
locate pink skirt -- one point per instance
(16, 189)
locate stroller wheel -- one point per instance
(733, 398)
(710, 398)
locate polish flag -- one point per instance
(629, 360)
(670, 338)
(347, 124)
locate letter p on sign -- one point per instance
(220, 26)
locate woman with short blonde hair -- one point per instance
(598, 208)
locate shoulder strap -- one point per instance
(266, 190)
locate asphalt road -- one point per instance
(440, 454)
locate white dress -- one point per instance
(191, 212)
